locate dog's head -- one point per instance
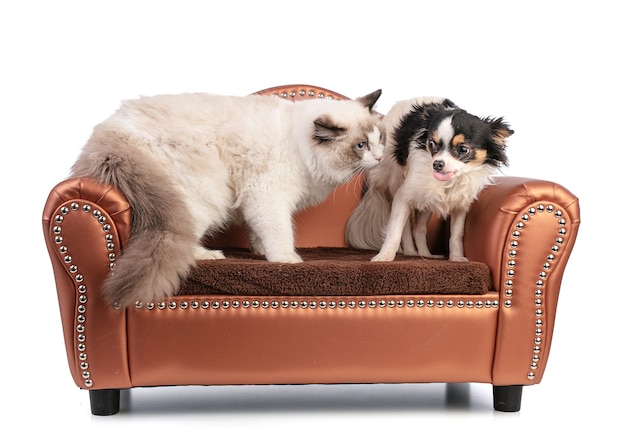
(457, 141)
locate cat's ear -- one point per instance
(370, 99)
(326, 129)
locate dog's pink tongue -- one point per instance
(442, 176)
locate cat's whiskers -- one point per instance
(355, 184)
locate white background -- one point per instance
(553, 69)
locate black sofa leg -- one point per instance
(104, 401)
(507, 398)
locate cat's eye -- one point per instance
(362, 145)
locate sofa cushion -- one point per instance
(334, 271)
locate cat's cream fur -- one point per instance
(191, 164)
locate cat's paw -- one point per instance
(291, 257)
(256, 246)
(204, 254)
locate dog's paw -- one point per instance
(458, 259)
(383, 257)
(412, 252)
(432, 256)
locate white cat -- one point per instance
(190, 164)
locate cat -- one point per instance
(191, 164)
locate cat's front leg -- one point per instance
(271, 231)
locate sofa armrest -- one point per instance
(519, 217)
(524, 230)
(85, 226)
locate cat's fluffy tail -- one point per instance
(366, 226)
(162, 243)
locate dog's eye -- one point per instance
(360, 146)
(463, 150)
(431, 144)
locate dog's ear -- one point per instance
(500, 130)
(370, 99)
(413, 130)
(431, 114)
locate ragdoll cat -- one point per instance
(190, 164)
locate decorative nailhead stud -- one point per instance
(294, 304)
(509, 283)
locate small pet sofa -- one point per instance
(336, 317)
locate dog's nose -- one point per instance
(438, 165)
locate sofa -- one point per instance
(336, 318)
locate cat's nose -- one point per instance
(378, 158)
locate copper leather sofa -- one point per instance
(522, 229)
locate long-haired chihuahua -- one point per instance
(437, 159)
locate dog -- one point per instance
(437, 159)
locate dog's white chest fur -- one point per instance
(425, 192)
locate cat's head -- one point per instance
(348, 137)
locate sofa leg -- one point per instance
(507, 398)
(104, 401)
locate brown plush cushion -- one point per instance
(334, 272)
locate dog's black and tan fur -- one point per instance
(438, 158)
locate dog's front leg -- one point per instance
(419, 233)
(400, 210)
(408, 244)
(457, 230)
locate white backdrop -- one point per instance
(554, 70)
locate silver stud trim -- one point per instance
(74, 269)
(323, 305)
(543, 274)
(302, 93)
